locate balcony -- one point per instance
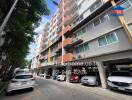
(67, 3)
(67, 11)
(67, 42)
(77, 40)
(75, 15)
(60, 16)
(73, 5)
(59, 46)
(60, 33)
(67, 28)
(66, 58)
(60, 25)
(67, 20)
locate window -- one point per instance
(95, 6)
(107, 39)
(96, 22)
(81, 31)
(86, 46)
(98, 4)
(23, 77)
(127, 4)
(104, 18)
(111, 38)
(130, 26)
(101, 20)
(82, 48)
(92, 8)
(102, 41)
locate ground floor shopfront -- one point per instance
(103, 64)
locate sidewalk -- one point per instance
(113, 95)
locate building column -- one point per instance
(45, 72)
(102, 74)
(68, 73)
(54, 72)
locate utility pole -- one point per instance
(7, 17)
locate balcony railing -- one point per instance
(77, 40)
(66, 58)
(67, 3)
(60, 25)
(67, 42)
(67, 11)
(67, 28)
(59, 46)
(60, 33)
(67, 20)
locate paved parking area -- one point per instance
(54, 90)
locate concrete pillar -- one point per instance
(68, 73)
(45, 72)
(54, 72)
(102, 74)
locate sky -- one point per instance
(44, 20)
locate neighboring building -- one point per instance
(90, 34)
(35, 60)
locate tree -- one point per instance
(19, 31)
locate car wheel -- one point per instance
(32, 89)
(7, 93)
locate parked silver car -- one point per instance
(120, 80)
(90, 79)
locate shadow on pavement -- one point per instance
(20, 92)
(121, 92)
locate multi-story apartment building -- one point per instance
(91, 34)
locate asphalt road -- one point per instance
(53, 90)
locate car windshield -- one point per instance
(23, 77)
(120, 74)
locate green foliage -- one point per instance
(20, 27)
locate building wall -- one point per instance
(112, 24)
(93, 32)
(95, 50)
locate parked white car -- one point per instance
(90, 79)
(120, 80)
(21, 81)
(61, 78)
